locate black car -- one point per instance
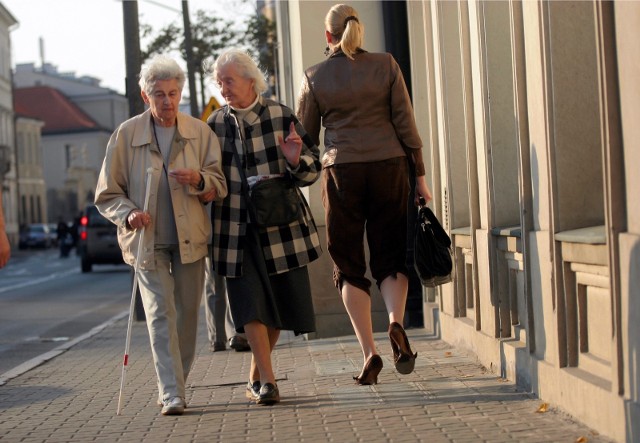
(36, 235)
(98, 240)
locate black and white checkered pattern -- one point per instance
(284, 247)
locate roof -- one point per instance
(59, 114)
(7, 17)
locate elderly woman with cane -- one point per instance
(264, 264)
(184, 157)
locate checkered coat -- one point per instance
(284, 247)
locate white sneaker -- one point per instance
(173, 406)
(161, 404)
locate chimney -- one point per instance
(41, 41)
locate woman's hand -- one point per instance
(138, 219)
(208, 196)
(186, 176)
(422, 190)
(291, 146)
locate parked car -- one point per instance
(35, 235)
(97, 242)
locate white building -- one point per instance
(107, 107)
(78, 121)
(73, 148)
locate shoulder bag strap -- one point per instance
(243, 177)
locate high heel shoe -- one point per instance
(372, 368)
(403, 358)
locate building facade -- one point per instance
(50, 155)
(528, 112)
(107, 107)
(32, 189)
(73, 151)
(73, 148)
(8, 182)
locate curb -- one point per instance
(43, 358)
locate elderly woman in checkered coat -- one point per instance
(265, 267)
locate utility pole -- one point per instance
(136, 105)
(132, 56)
(188, 46)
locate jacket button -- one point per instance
(187, 242)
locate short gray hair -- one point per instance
(160, 67)
(247, 66)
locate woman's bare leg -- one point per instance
(358, 305)
(262, 340)
(394, 293)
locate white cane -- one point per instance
(133, 293)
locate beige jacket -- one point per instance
(122, 181)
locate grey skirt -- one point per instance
(281, 301)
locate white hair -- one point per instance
(160, 67)
(247, 67)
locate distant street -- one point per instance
(45, 301)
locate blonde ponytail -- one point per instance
(345, 27)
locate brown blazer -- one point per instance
(365, 109)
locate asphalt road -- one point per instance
(45, 301)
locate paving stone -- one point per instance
(448, 398)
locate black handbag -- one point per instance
(271, 202)
(432, 250)
(275, 202)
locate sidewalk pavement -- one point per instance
(448, 398)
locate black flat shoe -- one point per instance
(253, 390)
(403, 358)
(239, 344)
(372, 368)
(268, 395)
